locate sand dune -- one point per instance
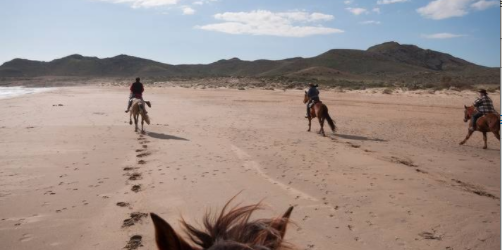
(76, 176)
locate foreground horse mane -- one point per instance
(227, 230)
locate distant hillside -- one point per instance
(389, 61)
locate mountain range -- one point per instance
(388, 61)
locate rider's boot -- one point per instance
(128, 106)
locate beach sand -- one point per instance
(393, 176)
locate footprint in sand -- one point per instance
(134, 242)
(26, 237)
(141, 162)
(135, 176)
(134, 218)
(122, 204)
(136, 188)
(130, 168)
(143, 154)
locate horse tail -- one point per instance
(331, 123)
(146, 118)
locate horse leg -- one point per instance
(321, 131)
(130, 118)
(142, 121)
(135, 123)
(322, 126)
(469, 133)
(310, 124)
(484, 139)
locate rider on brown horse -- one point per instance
(137, 90)
(313, 95)
(484, 105)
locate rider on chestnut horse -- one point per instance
(313, 95)
(484, 105)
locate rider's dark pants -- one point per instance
(474, 119)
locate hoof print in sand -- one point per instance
(134, 242)
(136, 188)
(143, 154)
(135, 176)
(141, 162)
(429, 236)
(122, 204)
(134, 218)
(129, 168)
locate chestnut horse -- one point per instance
(485, 124)
(320, 111)
(228, 230)
(137, 109)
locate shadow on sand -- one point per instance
(359, 138)
(165, 137)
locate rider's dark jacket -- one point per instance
(313, 93)
(137, 89)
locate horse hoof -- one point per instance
(485, 147)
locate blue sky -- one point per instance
(204, 31)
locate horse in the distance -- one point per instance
(320, 111)
(227, 230)
(138, 109)
(485, 124)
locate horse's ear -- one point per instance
(166, 237)
(305, 92)
(465, 107)
(281, 224)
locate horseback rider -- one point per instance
(484, 105)
(137, 90)
(313, 95)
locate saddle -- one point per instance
(312, 109)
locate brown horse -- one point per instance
(230, 230)
(137, 109)
(485, 124)
(320, 111)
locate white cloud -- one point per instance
(144, 3)
(198, 3)
(377, 10)
(483, 5)
(441, 9)
(441, 36)
(370, 22)
(348, 2)
(187, 10)
(391, 1)
(357, 11)
(263, 22)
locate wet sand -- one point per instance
(76, 176)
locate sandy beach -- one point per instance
(72, 169)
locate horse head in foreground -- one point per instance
(228, 230)
(320, 111)
(137, 109)
(485, 124)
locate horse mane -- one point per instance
(235, 226)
